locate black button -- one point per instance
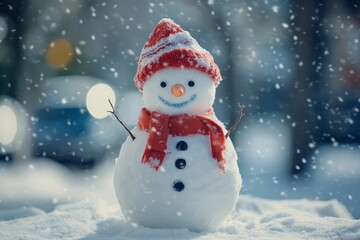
(180, 163)
(178, 186)
(181, 146)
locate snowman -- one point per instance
(178, 170)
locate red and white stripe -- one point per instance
(171, 46)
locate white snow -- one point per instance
(208, 196)
(199, 197)
(204, 91)
(49, 202)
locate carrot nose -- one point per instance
(178, 90)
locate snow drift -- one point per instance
(43, 201)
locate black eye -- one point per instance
(163, 84)
(191, 83)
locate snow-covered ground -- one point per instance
(42, 200)
(333, 170)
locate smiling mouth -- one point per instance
(178, 105)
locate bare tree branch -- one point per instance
(117, 118)
(241, 114)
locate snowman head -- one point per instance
(176, 91)
(175, 73)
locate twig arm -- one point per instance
(117, 118)
(241, 114)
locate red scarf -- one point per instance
(159, 126)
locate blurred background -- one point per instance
(293, 65)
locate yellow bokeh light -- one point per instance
(59, 53)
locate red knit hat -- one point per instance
(170, 46)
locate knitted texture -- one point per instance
(170, 46)
(159, 126)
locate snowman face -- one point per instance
(176, 91)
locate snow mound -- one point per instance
(252, 218)
(42, 200)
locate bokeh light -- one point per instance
(8, 125)
(59, 53)
(3, 28)
(97, 100)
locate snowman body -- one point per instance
(188, 190)
(196, 181)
